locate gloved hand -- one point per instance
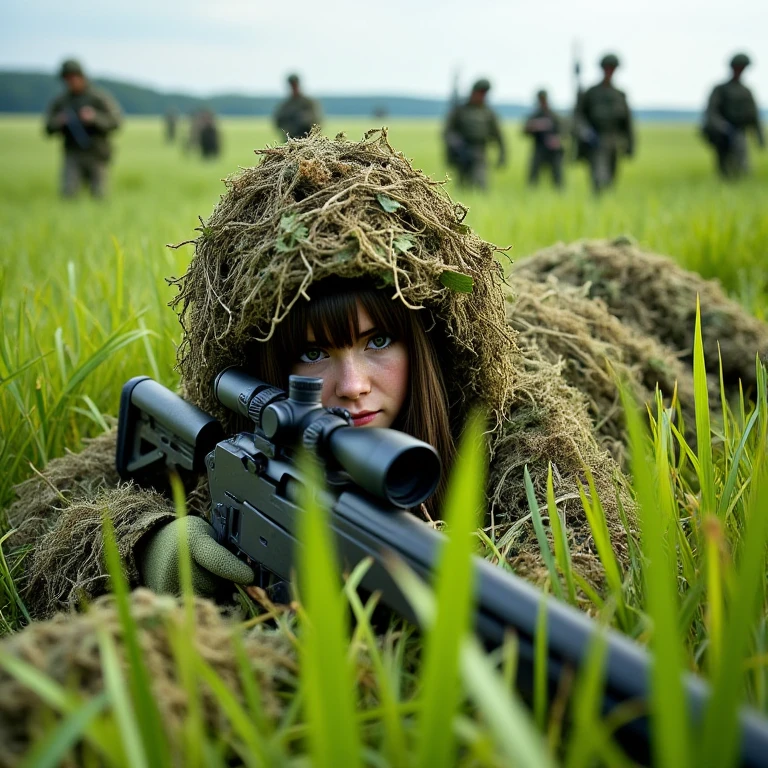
(211, 562)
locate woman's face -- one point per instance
(369, 379)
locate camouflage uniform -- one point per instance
(296, 115)
(731, 111)
(544, 127)
(87, 149)
(64, 566)
(604, 123)
(468, 130)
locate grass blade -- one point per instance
(330, 702)
(719, 744)
(562, 552)
(669, 719)
(541, 536)
(51, 751)
(441, 692)
(119, 697)
(514, 732)
(149, 721)
(703, 430)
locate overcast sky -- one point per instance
(672, 51)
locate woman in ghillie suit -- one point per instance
(315, 209)
(316, 231)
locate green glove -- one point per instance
(211, 562)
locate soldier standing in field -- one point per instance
(731, 111)
(603, 122)
(85, 116)
(208, 135)
(298, 113)
(468, 131)
(544, 127)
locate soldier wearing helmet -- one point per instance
(603, 122)
(730, 113)
(84, 115)
(544, 127)
(296, 115)
(469, 129)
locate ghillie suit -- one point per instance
(67, 650)
(657, 297)
(594, 351)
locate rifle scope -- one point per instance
(389, 464)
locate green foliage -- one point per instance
(293, 232)
(454, 591)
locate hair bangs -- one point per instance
(334, 319)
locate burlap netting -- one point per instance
(317, 207)
(657, 297)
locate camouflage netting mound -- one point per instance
(550, 425)
(658, 297)
(593, 349)
(66, 649)
(317, 207)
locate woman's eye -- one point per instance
(379, 342)
(312, 355)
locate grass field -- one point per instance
(84, 308)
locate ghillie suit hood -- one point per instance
(314, 208)
(657, 297)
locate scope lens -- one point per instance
(411, 477)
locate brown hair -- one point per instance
(332, 315)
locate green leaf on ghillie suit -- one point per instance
(456, 281)
(403, 244)
(292, 233)
(388, 204)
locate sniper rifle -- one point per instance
(373, 477)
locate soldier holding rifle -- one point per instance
(731, 112)
(544, 127)
(85, 116)
(603, 122)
